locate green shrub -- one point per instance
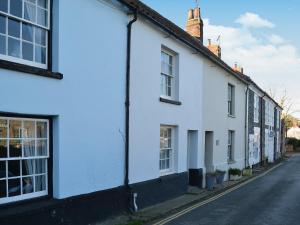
(235, 171)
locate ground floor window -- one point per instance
(166, 159)
(230, 153)
(24, 158)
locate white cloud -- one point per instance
(272, 62)
(253, 20)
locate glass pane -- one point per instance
(13, 168)
(15, 148)
(27, 167)
(40, 36)
(40, 54)
(29, 12)
(2, 45)
(14, 47)
(3, 149)
(43, 3)
(16, 8)
(40, 183)
(27, 32)
(41, 129)
(2, 24)
(14, 187)
(15, 128)
(27, 51)
(42, 17)
(29, 148)
(3, 5)
(27, 185)
(14, 28)
(40, 166)
(2, 169)
(41, 148)
(3, 189)
(29, 129)
(3, 128)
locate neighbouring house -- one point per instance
(294, 132)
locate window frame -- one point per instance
(48, 37)
(230, 146)
(231, 100)
(173, 76)
(48, 159)
(171, 169)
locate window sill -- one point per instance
(29, 69)
(231, 116)
(231, 162)
(161, 99)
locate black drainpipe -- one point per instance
(127, 103)
(262, 130)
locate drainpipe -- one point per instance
(246, 129)
(262, 129)
(127, 105)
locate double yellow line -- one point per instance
(191, 208)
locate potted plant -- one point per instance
(210, 181)
(220, 175)
(235, 174)
(247, 171)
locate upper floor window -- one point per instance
(24, 27)
(168, 75)
(256, 108)
(231, 98)
(24, 158)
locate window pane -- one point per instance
(42, 17)
(3, 128)
(41, 129)
(2, 24)
(14, 28)
(27, 51)
(27, 185)
(3, 5)
(40, 183)
(3, 189)
(13, 168)
(40, 36)
(14, 47)
(40, 54)
(29, 12)
(2, 45)
(29, 129)
(14, 187)
(3, 149)
(2, 169)
(28, 167)
(16, 8)
(29, 148)
(15, 148)
(27, 33)
(43, 3)
(15, 128)
(40, 166)
(41, 148)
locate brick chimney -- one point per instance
(194, 24)
(238, 68)
(216, 49)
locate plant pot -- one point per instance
(210, 181)
(247, 172)
(220, 178)
(234, 177)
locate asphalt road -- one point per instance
(270, 200)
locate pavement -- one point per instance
(227, 204)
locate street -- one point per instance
(270, 200)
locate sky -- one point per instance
(262, 36)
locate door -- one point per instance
(209, 145)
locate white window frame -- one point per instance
(256, 108)
(22, 20)
(173, 76)
(231, 99)
(21, 176)
(171, 149)
(231, 145)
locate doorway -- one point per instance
(209, 147)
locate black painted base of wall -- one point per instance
(159, 190)
(196, 177)
(81, 210)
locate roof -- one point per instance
(186, 38)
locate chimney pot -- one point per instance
(191, 14)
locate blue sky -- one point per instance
(263, 36)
